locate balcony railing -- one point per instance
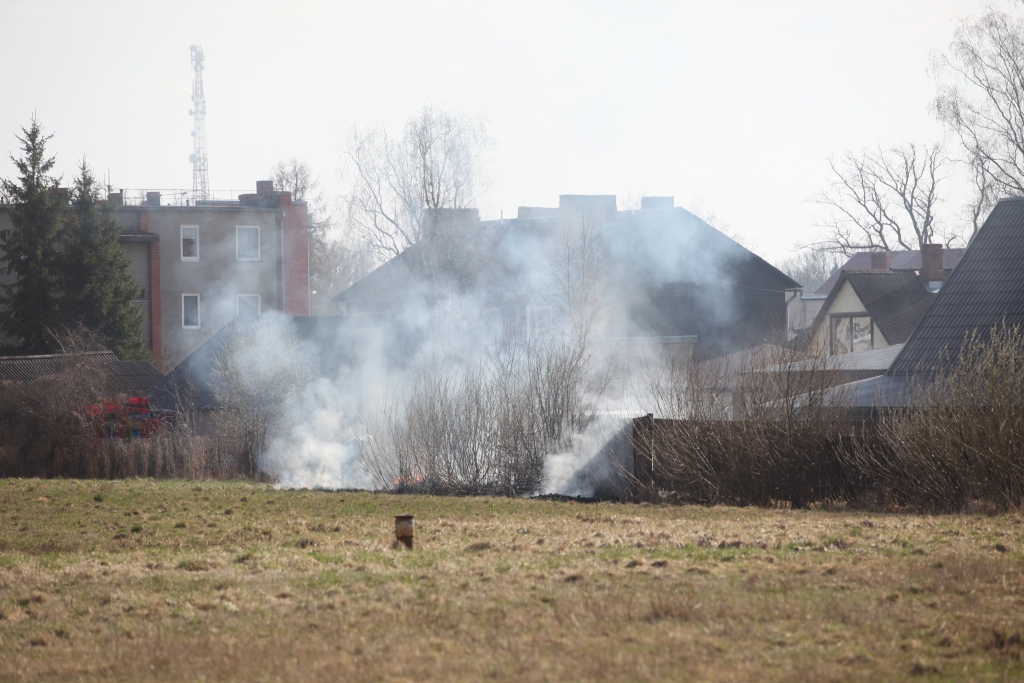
(176, 197)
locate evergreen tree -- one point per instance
(29, 310)
(97, 286)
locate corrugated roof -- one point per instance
(898, 260)
(884, 391)
(872, 359)
(986, 289)
(895, 299)
(131, 377)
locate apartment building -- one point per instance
(201, 264)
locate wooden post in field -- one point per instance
(404, 530)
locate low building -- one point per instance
(132, 378)
(985, 290)
(869, 309)
(933, 264)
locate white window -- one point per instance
(247, 243)
(249, 304)
(190, 312)
(190, 243)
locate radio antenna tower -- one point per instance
(200, 170)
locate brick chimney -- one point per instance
(152, 199)
(115, 198)
(881, 260)
(264, 188)
(931, 266)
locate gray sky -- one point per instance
(733, 104)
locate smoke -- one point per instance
(601, 291)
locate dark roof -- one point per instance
(193, 378)
(479, 248)
(985, 289)
(131, 377)
(898, 260)
(895, 299)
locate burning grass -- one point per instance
(172, 580)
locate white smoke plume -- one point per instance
(580, 279)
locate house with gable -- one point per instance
(869, 309)
(986, 289)
(933, 264)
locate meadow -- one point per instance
(143, 580)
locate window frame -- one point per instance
(259, 243)
(834, 317)
(259, 303)
(181, 244)
(199, 311)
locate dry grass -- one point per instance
(143, 580)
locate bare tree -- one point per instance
(434, 164)
(810, 268)
(981, 101)
(335, 260)
(882, 199)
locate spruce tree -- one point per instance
(29, 310)
(97, 286)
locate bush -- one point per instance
(754, 428)
(45, 431)
(486, 429)
(963, 443)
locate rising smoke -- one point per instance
(496, 356)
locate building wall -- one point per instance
(846, 301)
(218, 276)
(151, 236)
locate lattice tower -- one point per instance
(200, 169)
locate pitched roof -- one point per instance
(131, 377)
(986, 289)
(898, 260)
(876, 360)
(895, 299)
(637, 237)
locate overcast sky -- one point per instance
(732, 104)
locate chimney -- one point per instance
(931, 266)
(264, 188)
(598, 206)
(880, 260)
(647, 203)
(152, 199)
(115, 198)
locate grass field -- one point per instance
(179, 581)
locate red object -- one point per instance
(131, 419)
